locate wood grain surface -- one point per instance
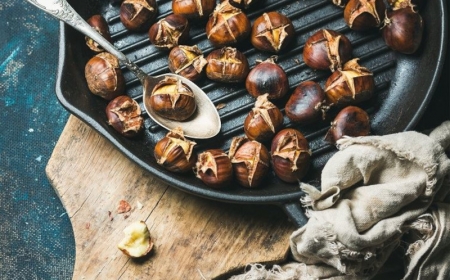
(194, 238)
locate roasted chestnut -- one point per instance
(174, 152)
(241, 4)
(138, 14)
(364, 14)
(350, 121)
(227, 65)
(267, 77)
(193, 9)
(403, 29)
(172, 99)
(187, 61)
(327, 49)
(100, 25)
(307, 103)
(124, 115)
(291, 155)
(227, 25)
(272, 32)
(214, 168)
(169, 32)
(398, 4)
(104, 77)
(251, 161)
(263, 121)
(351, 85)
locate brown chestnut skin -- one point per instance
(327, 49)
(99, 23)
(267, 77)
(251, 161)
(351, 121)
(169, 32)
(174, 152)
(187, 61)
(214, 168)
(263, 121)
(398, 4)
(138, 15)
(227, 65)
(173, 100)
(241, 4)
(403, 30)
(124, 115)
(364, 14)
(272, 32)
(290, 155)
(227, 25)
(104, 77)
(193, 9)
(307, 103)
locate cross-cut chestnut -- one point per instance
(250, 161)
(104, 77)
(350, 121)
(227, 65)
(174, 152)
(193, 9)
(241, 4)
(364, 14)
(351, 85)
(263, 121)
(272, 32)
(291, 155)
(267, 77)
(173, 100)
(169, 32)
(227, 25)
(124, 115)
(327, 49)
(187, 61)
(138, 14)
(214, 168)
(99, 23)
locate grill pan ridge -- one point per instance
(404, 85)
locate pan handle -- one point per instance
(295, 213)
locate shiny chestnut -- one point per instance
(193, 9)
(290, 155)
(100, 25)
(364, 14)
(272, 32)
(307, 103)
(327, 49)
(214, 168)
(169, 32)
(351, 121)
(138, 14)
(187, 61)
(267, 77)
(227, 65)
(174, 152)
(104, 77)
(124, 115)
(263, 121)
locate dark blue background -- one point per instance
(36, 238)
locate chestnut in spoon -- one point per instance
(204, 124)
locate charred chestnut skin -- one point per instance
(351, 121)
(99, 23)
(364, 14)
(272, 32)
(307, 103)
(124, 115)
(227, 65)
(138, 15)
(214, 168)
(169, 32)
(187, 61)
(193, 9)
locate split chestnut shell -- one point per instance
(214, 168)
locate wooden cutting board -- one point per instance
(194, 238)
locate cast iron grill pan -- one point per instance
(404, 85)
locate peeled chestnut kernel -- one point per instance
(227, 25)
(272, 32)
(173, 100)
(307, 103)
(364, 14)
(241, 4)
(327, 49)
(137, 241)
(138, 14)
(403, 29)
(124, 115)
(351, 85)
(169, 32)
(214, 168)
(187, 61)
(263, 121)
(227, 65)
(267, 77)
(351, 121)
(291, 155)
(174, 152)
(193, 9)
(101, 26)
(104, 77)
(250, 161)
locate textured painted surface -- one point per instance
(36, 238)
